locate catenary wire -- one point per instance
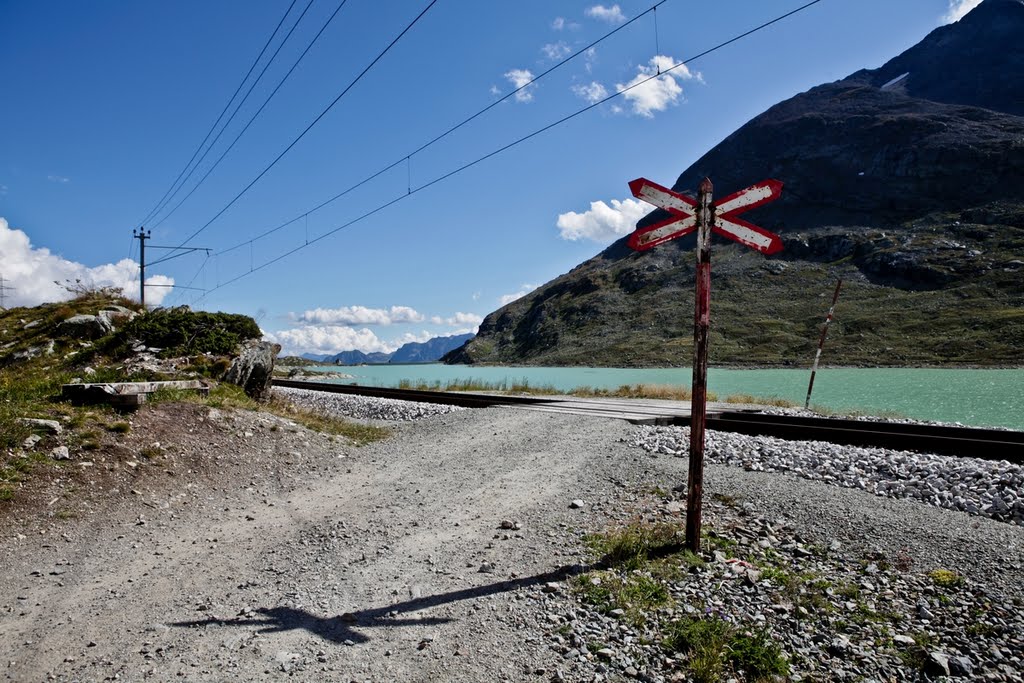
(235, 112)
(406, 159)
(506, 147)
(161, 203)
(310, 126)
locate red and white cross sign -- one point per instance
(683, 219)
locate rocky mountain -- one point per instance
(906, 181)
(429, 351)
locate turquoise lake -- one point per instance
(972, 397)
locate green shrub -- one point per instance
(181, 331)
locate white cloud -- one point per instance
(58, 179)
(958, 9)
(331, 339)
(409, 338)
(611, 15)
(591, 92)
(327, 339)
(509, 298)
(603, 223)
(495, 90)
(658, 93)
(33, 272)
(558, 24)
(519, 78)
(556, 51)
(458, 319)
(360, 315)
(3, 190)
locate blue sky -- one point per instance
(103, 104)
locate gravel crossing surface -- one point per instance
(456, 550)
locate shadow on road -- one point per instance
(346, 627)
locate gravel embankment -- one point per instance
(978, 487)
(363, 407)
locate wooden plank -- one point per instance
(126, 394)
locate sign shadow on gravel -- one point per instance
(345, 628)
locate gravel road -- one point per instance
(439, 554)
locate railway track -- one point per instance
(989, 444)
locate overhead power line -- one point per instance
(508, 146)
(258, 111)
(310, 126)
(161, 203)
(406, 158)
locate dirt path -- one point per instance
(254, 550)
(372, 572)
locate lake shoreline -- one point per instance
(982, 397)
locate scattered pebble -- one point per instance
(363, 407)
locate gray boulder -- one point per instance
(115, 316)
(254, 368)
(85, 327)
(51, 426)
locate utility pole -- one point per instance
(142, 236)
(3, 290)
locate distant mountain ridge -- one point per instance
(913, 193)
(412, 352)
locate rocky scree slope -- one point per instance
(912, 192)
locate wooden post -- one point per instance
(698, 404)
(821, 342)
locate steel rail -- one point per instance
(975, 442)
(466, 400)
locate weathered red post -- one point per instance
(699, 399)
(685, 216)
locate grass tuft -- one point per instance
(944, 578)
(632, 546)
(712, 644)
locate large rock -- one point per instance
(116, 315)
(85, 327)
(254, 368)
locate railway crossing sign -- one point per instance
(683, 220)
(704, 217)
